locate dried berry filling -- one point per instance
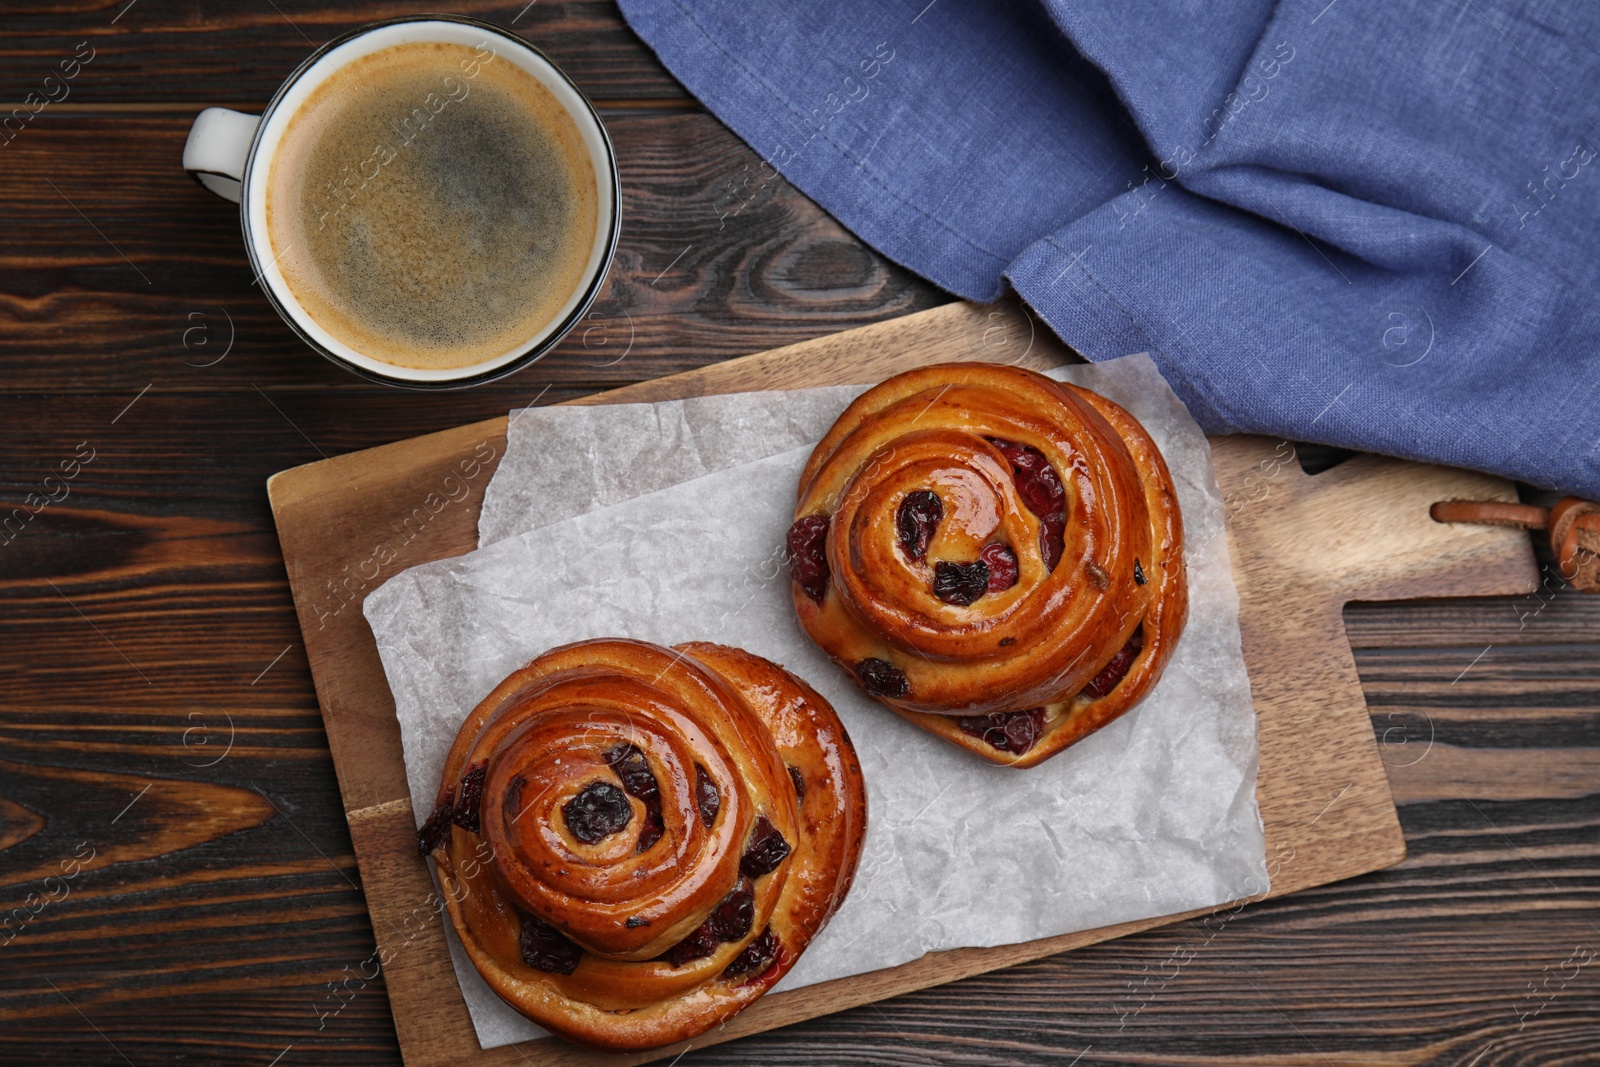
(1002, 564)
(467, 808)
(708, 798)
(1117, 667)
(960, 583)
(1042, 493)
(728, 921)
(880, 678)
(808, 555)
(756, 957)
(1138, 573)
(766, 850)
(916, 519)
(436, 830)
(638, 781)
(597, 812)
(1010, 731)
(544, 948)
(799, 781)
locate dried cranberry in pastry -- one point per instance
(808, 555)
(732, 918)
(1041, 491)
(597, 812)
(1002, 564)
(799, 781)
(728, 921)
(634, 770)
(766, 850)
(466, 813)
(756, 957)
(880, 678)
(916, 519)
(960, 583)
(639, 781)
(1116, 667)
(707, 797)
(1010, 731)
(652, 830)
(436, 830)
(697, 946)
(544, 948)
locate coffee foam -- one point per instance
(432, 205)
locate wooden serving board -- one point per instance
(1301, 546)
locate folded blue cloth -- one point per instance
(1363, 223)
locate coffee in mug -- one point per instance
(431, 205)
(428, 201)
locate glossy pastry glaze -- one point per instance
(595, 918)
(1074, 640)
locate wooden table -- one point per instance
(173, 859)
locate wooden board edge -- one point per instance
(1042, 350)
(375, 827)
(1388, 848)
(366, 461)
(971, 962)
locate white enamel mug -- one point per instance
(231, 154)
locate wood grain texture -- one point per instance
(713, 262)
(187, 55)
(1302, 548)
(253, 947)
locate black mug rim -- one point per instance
(533, 354)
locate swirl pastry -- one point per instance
(996, 556)
(636, 842)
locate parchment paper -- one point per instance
(638, 448)
(1155, 814)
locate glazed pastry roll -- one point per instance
(994, 555)
(637, 842)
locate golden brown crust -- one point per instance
(812, 741)
(1039, 643)
(545, 734)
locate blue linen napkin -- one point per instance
(1365, 223)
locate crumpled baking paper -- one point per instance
(595, 460)
(584, 537)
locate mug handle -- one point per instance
(219, 143)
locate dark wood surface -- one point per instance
(160, 741)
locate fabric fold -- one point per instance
(1358, 223)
